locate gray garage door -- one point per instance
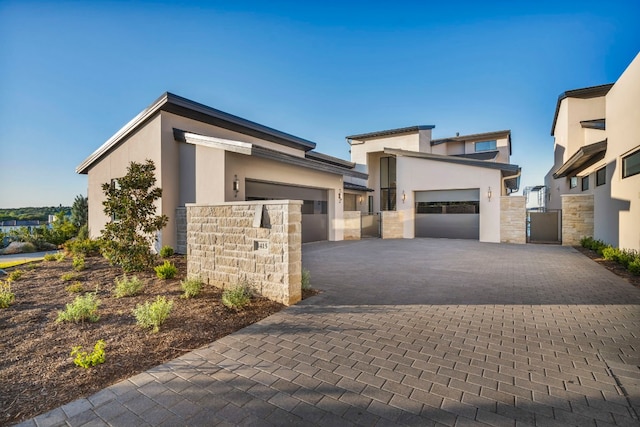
(452, 214)
(314, 205)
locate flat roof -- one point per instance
(504, 167)
(398, 131)
(473, 137)
(185, 107)
(582, 93)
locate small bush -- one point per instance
(15, 275)
(78, 263)
(627, 256)
(153, 314)
(166, 251)
(610, 253)
(191, 287)
(87, 360)
(306, 279)
(166, 270)
(53, 257)
(85, 247)
(83, 232)
(634, 267)
(237, 297)
(75, 288)
(67, 277)
(6, 296)
(126, 287)
(82, 308)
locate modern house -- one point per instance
(422, 187)
(426, 187)
(597, 161)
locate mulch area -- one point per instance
(612, 266)
(36, 371)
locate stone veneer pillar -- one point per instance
(352, 225)
(392, 224)
(513, 219)
(577, 218)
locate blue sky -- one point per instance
(73, 73)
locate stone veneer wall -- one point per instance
(352, 225)
(226, 245)
(181, 230)
(577, 218)
(513, 219)
(392, 224)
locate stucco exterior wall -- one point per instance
(423, 175)
(513, 219)
(352, 226)
(577, 218)
(140, 146)
(224, 248)
(409, 141)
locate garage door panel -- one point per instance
(452, 214)
(458, 226)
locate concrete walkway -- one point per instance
(412, 332)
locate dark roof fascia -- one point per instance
(598, 124)
(377, 134)
(484, 155)
(356, 187)
(583, 93)
(186, 108)
(267, 153)
(329, 159)
(582, 159)
(504, 167)
(475, 137)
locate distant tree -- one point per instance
(80, 211)
(130, 203)
(61, 230)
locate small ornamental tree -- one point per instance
(80, 211)
(130, 203)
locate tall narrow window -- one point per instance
(631, 164)
(585, 183)
(601, 176)
(388, 184)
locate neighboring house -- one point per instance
(7, 226)
(597, 154)
(427, 187)
(205, 156)
(441, 188)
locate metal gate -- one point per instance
(544, 227)
(370, 225)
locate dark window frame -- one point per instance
(573, 182)
(585, 183)
(601, 176)
(388, 188)
(624, 160)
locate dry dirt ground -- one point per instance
(36, 371)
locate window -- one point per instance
(601, 176)
(486, 146)
(573, 182)
(631, 164)
(585, 183)
(115, 184)
(388, 184)
(470, 207)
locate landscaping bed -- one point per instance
(37, 371)
(610, 265)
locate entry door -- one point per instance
(314, 205)
(451, 214)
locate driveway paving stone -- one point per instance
(409, 332)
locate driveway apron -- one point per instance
(409, 332)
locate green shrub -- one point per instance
(75, 288)
(83, 232)
(6, 296)
(67, 277)
(634, 267)
(237, 297)
(166, 270)
(15, 275)
(85, 247)
(166, 251)
(49, 257)
(306, 279)
(58, 256)
(153, 314)
(126, 287)
(627, 256)
(191, 287)
(87, 360)
(82, 308)
(78, 263)
(610, 253)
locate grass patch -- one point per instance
(9, 264)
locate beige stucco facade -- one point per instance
(616, 110)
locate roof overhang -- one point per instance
(506, 168)
(193, 110)
(356, 187)
(484, 155)
(583, 93)
(599, 124)
(388, 132)
(582, 159)
(251, 149)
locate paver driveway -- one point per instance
(410, 332)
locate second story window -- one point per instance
(601, 176)
(585, 183)
(486, 146)
(388, 184)
(573, 182)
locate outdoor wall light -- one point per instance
(404, 196)
(489, 194)
(339, 196)
(236, 185)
